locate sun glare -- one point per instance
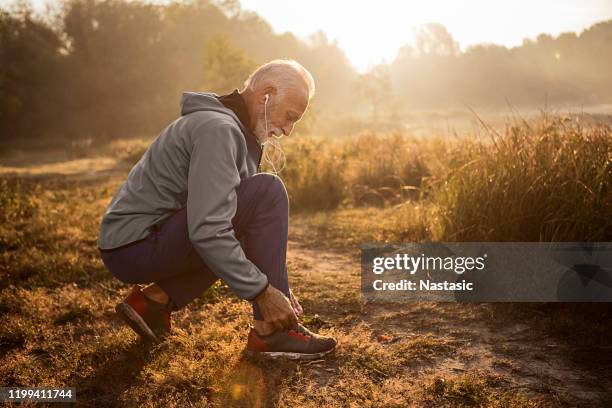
(372, 32)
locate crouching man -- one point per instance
(195, 209)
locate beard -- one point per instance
(260, 129)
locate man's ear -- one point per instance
(270, 91)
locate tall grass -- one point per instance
(315, 173)
(368, 169)
(549, 180)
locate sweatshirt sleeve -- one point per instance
(211, 205)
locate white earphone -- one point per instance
(266, 96)
(272, 142)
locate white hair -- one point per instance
(279, 73)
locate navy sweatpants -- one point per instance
(168, 258)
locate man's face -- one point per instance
(284, 109)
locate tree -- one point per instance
(225, 65)
(435, 39)
(30, 73)
(375, 86)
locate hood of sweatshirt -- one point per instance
(207, 101)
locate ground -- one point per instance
(59, 326)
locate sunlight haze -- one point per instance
(370, 32)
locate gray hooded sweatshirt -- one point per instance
(196, 162)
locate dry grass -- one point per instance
(546, 181)
(549, 180)
(57, 300)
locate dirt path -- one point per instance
(519, 356)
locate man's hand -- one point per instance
(297, 308)
(276, 308)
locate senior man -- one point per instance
(195, 209)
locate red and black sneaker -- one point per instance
(296, 344)
(148, 318)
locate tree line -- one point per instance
(112, 68)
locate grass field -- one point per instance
(550, 180)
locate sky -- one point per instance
(371, 32)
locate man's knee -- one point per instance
(277, 189)
(119, 269)
(273, 188)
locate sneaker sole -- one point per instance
(273, 355)
(133, 319)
